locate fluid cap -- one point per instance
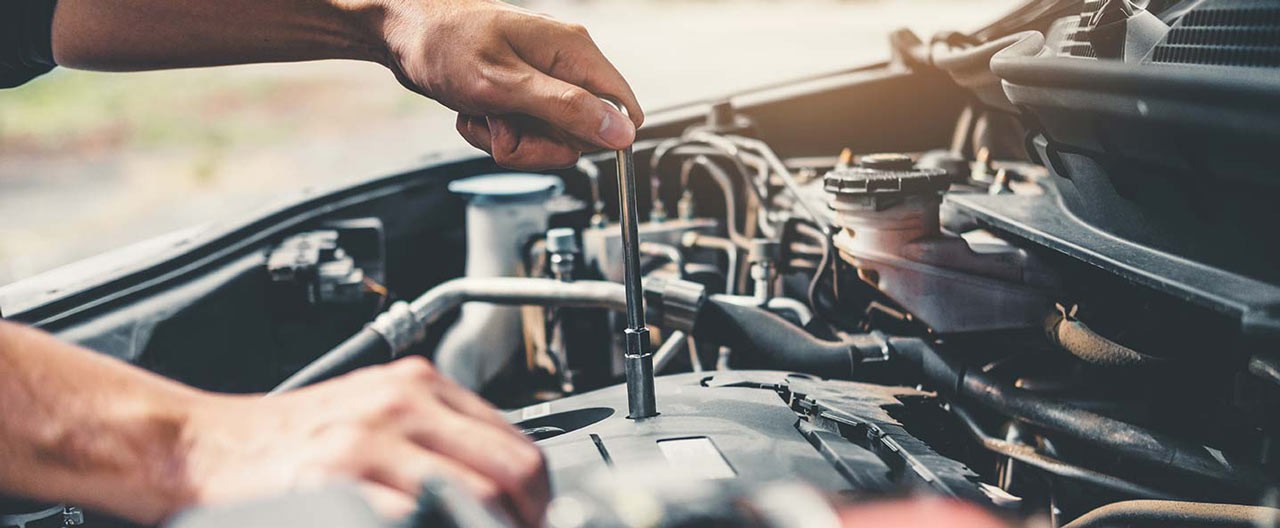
(507, 188)
(888, 162)
(886, 175)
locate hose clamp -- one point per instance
(396, 326)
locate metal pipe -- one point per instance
(666, 252)
(1178, 513)
(404, 324)
(672, 347)
(589, 168)
(716, 143)
(639, 360)
(788, 180)
(721, 180)
(694, 239)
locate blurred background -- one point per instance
(90, 162)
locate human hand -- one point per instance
(524, 85)
(388, 428)
(918, 513)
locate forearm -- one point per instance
(128, 35)
(80, 427)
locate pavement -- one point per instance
(242, 137)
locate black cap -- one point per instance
(886, 175)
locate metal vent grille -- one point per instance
(1225, 34)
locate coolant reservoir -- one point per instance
(504, 211)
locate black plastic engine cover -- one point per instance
(755, 426)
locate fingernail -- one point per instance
(615, 131)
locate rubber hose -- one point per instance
(760, 339)
(1138, 513)
(1132, 441)
(1081, 341)
(366, 347)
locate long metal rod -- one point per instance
(638, 361)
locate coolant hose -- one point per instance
(1137, 443)
(1137, 513)
(760, 339)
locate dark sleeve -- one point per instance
(26, 40)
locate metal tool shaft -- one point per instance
(639, 360)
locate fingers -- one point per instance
(522, 143)
(468, 403)
(466, 433)
(572, 109)
(567, 53)
(519, 142)
(918, 512)
(513, 464)
(389, 502)
(475, 129)
(406, 466)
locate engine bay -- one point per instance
(1027, 268)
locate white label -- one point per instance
(697, 456)
(535, 411)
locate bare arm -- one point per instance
(521, 83)
(79, 427)
(71, 421)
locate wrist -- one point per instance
(182, 472)
(373, 24)
(166, 434)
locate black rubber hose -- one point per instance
(366, 347)
(760, 339)
(1131, 441)
(1138, 513)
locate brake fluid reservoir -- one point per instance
(504, 211)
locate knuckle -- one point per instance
(559, 159)
(485, 91)
(417, 368)
(395, 405)
(579, 29)
(346, 448)
(511, 159)
(487, 492)
(492, 86)
(572, 99)
(527, 464)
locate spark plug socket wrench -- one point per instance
(638, 363)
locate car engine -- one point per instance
(1028, 268)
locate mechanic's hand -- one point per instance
(522, 83)
(923, 512)
(388, 428)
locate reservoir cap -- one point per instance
(507, 188)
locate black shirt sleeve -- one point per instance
(26, 40)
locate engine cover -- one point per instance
(756, 426)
